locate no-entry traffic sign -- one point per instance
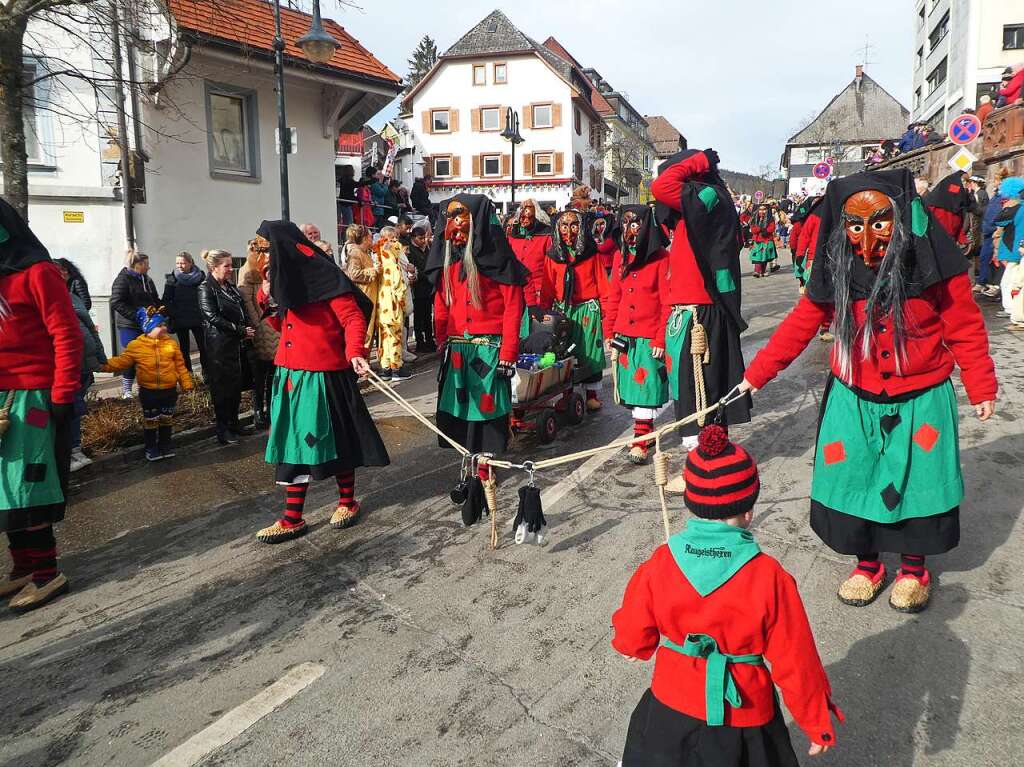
(822, 170)
(964, 129)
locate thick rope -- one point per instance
(701, 354)
(5, 412)
(661, 479)
(405, 405)
(491, 495)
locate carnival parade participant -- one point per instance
(632, 316)
(319, 425)
(701, 310)
(602, 228)
(715, 609)
(40, 364)
(575, 283)
(762, 231)
(529, 236)
(478, 311)
(886, 465)
(949, 202)
(800, 221)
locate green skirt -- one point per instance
(589, 339)
(471, 389)
(763, 251)
(887, 462)
(30, 485)
(640, 380)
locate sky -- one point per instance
(738, 76)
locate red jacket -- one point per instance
(794, 235)
(767, 235)
(500, 313)
(325, 336)
(757, 611)
(685, 281)
(945, 325)
(950, 221)
(532, 253)
(634, 303)
(40, 340)
(1014, 88)
(590, 282)
(607, 251)
(809, 239)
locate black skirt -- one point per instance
(847, 534)
(660, 736)
(724, 371)
(476, 436)
(356, 439)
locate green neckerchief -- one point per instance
(709, 553)
(525, 233)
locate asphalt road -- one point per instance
(405, 641)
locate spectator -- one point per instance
(931, 136)
(252, 278)
(161, 368)
(922, 186)
(75, 281)
(402, 229)
(181, 301)
(906, 142)
(1004, 81)
(132, 290)
(1010, 93)
(93, 359)
(379, 195)
(1011, 221)
(326, 247)
(391, 298)
(347, 195)
(361, 269)
(311, 231)
(420, 197)
(226, 327)
(990, 272)
(391, 201)
(985, 108)
(422, 291)
(363, 213)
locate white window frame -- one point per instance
(483, 165)
(482, 69)
(497, 119)
(433, 120)
(250, 132)
(550, 163)
(504, 71)
(441, 158)
(551, 116)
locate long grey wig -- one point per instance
(468, 265)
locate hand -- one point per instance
(250, 333)
(815, 749)
(746, 386)
(985, 409)
(608, 345)
(657, 352)
(265, 287)
(61, 411)
(506, 369)
(360, 366)
(712, 156)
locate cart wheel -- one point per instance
(577, 410)
(548, 426)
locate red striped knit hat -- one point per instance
(721, 477)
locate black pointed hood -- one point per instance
(585, 247)
(650, 241)
(950, 194)
(19, 247)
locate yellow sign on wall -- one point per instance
(74, 217)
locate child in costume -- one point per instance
(762, 231)
(886, 466)
(391, 304)
(575, 284)
(715, 609)
(478, 312)
(319, 425)
(632, 321)
(701, 310)
(159, 370)
(40, 366)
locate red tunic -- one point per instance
(310, 334)
(794, 235)
(765, 235)
(809, 238)
(500, 312)
(757, 611)
(950, 221)
(685, 282)
(947, 328)
(532, 253)
(607, 251)
(590, 282)
(633, 306)
(40, 340)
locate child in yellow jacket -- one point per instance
(159, 368)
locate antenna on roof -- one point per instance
(866, 51)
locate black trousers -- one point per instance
(186, 346)
(262, 384)
(225, 407)
(423, 320)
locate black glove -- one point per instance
(61, 412)
(473, 508)
(530, 511)
(506, 369)
(712, 156)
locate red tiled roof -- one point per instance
(250, 23)
(597, 101)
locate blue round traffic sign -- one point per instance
(822, 170)
(964, 129)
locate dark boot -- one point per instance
(152, 445)
(164, 442)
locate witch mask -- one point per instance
(630, 229)
(569, 228)
(459, 223)
(527, 215)
(868, 217)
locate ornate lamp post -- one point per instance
(318, 46)
(511, 134)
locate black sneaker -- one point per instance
(225, 437)
(402, 374)
(153, 454)
(384, 374)
(167, 452)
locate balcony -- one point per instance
(1002, 135)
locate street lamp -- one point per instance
(512, 135)
(318, 46)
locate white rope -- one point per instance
(391, 394)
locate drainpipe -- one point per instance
(122, 127)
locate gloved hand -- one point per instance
(61, 412)
(712, 156)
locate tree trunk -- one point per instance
(12, 125)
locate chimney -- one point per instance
(860, 71)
